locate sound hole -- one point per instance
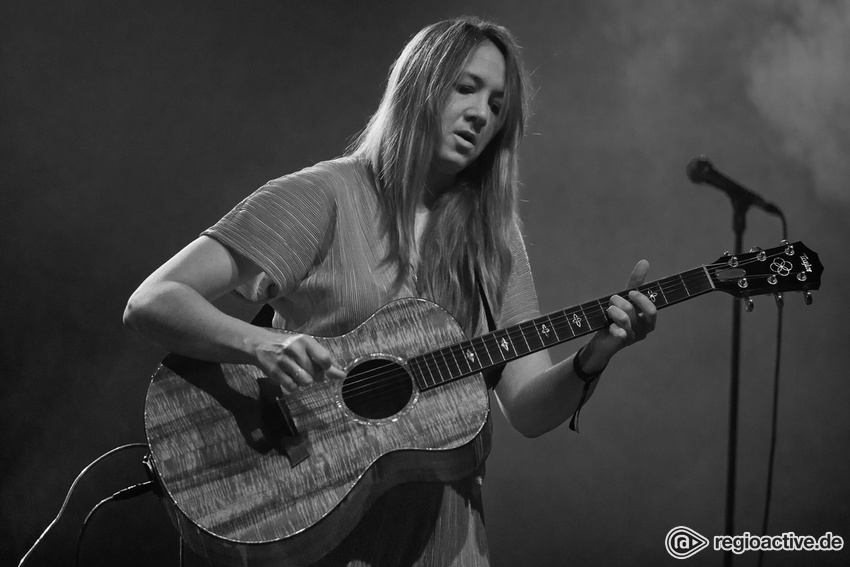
(377, 389)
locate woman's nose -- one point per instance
(478, 112)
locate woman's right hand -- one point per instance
(295, 361)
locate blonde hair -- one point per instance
(470, 225)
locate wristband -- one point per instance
(582, 375)
(588, 380)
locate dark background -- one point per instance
(129, 127)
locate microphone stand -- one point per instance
(700, 170)
(739, 224)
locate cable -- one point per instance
(772, 454)
(71, 491)
(83, 529)
(123, 494)
(773, 421)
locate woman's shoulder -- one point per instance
(331, 177)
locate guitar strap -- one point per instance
(491, 324)
(493, 376)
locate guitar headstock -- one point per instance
(790, 267)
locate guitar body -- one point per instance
(230, 473)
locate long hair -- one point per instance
(470, 226)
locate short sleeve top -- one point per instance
(316, 236)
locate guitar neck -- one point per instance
(493, 349)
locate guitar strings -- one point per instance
(387, 381)
(371, 383)
(559, 321)
(667, 286)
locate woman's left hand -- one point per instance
(631, 321)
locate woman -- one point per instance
(424, 205)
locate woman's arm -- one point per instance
(173, 308)
(537, 396)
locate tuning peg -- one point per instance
(779, 301)
(749, 305)
(761, 254)
(807, 297)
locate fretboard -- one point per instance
(486, 351)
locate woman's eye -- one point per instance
(464, 89)
(496, 107)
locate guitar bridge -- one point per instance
(291, 442)
(277, 430)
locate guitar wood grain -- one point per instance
(234, 496)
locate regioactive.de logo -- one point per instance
(683, 542)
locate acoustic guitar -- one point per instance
(252, 477)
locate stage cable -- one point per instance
(124, 493)
(773, 416)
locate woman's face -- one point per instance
(473, 112)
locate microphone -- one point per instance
(700, 170)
